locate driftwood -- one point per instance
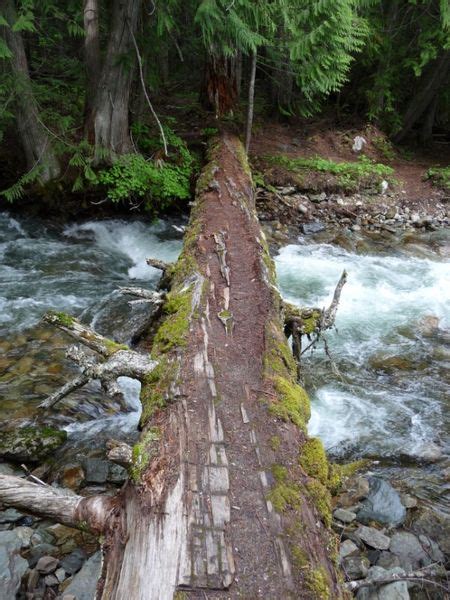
(120, 360)
(423, 575)
(311, 322)
(217, 503)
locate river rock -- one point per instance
(84, 584)
(12, 565)
(47, 564)
(414, 553)
(382, 504)
(117, 474)
(74, 561)
(387, 560)
(30, 444)
(96, 470)
(10, 515)
(355, 567)
(434, 525)
(24, 534)
(313, 227)
(72, 476)
(40, 550)
(390, 591)
(346, 516)
(347, 548)
(372, 537)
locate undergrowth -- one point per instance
(439, 176)
(350, 176)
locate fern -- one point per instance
(17, 190)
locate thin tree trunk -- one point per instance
(428, 87)
(92, 61)
(35, 139)
(110, 114)
(217, 503)
(251, 102)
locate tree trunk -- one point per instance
(92, 61)
(251, 103)
(433, 80)
(35, 140)
(220, 88)
(110, 116)
(218, 503)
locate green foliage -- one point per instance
(158, 181)
(351, 176)
(440, 176)
(17, 190)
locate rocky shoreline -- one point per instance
(386, 533)
(312, 213)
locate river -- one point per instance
(387, 402)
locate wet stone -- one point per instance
(391, 591)
(39, 551)
(12, 565)
(24, 534)
(84, 583)
(51, 580)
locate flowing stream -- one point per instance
(389, 401)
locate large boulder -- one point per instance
(382, 504)
(12, 565)
(30, 444)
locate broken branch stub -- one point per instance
(121, 362)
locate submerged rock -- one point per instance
(382, 504)
(30, 444)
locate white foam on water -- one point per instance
(135, 240)
(372, 410)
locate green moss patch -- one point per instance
(284, 494)
(321, 498)
(175, 327)
(292, 403)
(143, 451)
(156, 387)
(317, 582)
(314, 460)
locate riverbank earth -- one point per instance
(386, 403)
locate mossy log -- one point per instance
(227, 496)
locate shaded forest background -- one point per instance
(115, 99)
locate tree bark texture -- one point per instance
(220, 86)
(110, 116)
(35, 140)
(223, 499)
(92, 58)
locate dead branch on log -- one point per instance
(311, 322)
(120, 360)
(154, 297)
(159, 264)
(421, 576)
(53, 503)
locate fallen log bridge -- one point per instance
(227, 496)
